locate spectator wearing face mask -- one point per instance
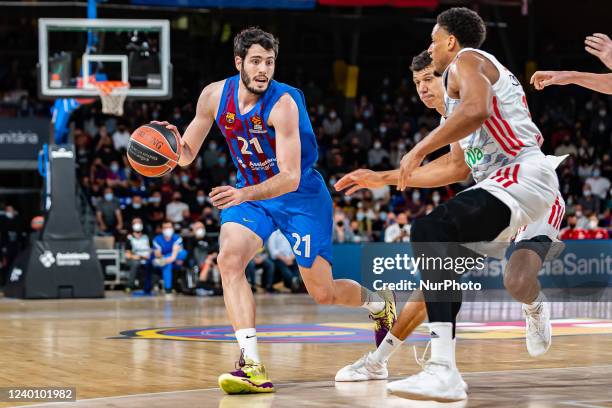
(268, 277)
(399, 231)
(599, 184)
(435, 198)
(155, 211)
(169, 254)
(362, 134)
(108, 214)
(198, 205)
(211, 155)
(376, 154)
(138, 256)
(219, 172)
(595, 231)
(201, 256)
(186, 186)
(416, 205)
(332, 124)
(342, 230)
(177, 211)
(121, 137)
(572, 231)
(589, 203)
(136, 209)
(116, 176)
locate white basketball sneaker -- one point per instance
(439, 381)
(538, 328)
(364, 369)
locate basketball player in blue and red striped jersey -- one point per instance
(271, 141)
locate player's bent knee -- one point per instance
(515, 283)
(230, 265)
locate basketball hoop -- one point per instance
(112, 94)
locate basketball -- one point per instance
(153, 150)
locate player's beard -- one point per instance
(246, 81)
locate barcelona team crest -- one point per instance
(230, 117)
(257, 123)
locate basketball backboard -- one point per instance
(74, 53)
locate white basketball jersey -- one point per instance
(509, 135)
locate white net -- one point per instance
(113, 94)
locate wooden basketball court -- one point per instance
(171, 352)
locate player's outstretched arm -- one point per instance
(284, 117)
(200, 125)
(447, 169)
(596, 82)
(475, 107)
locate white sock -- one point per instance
(374, 302)
(386, 348)
(247, 340)
(442, 344)
(536, 303)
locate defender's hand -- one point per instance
(227, 196)
(600, 45)
(542, 79)
(410, 162)
(358, 179)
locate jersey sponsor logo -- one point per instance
(473, 156)
(257, 123)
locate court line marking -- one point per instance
(324, 382)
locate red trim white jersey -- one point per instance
(508, 135)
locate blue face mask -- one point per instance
(383, 216)
(108, 196)
(222, 161)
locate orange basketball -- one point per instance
(153, 150)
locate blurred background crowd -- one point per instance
(374, 130)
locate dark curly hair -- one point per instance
(254, 35)
(465, 24)
(420, 62)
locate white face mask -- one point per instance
(200, 199)
(137, 227)
(416, 196)
(200, 232)
(377, 145)
(435, 198)
(593, 224)
(168, 232)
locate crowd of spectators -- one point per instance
(374, 131)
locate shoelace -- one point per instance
(242, 363)
(425, 364)
(532, 320)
